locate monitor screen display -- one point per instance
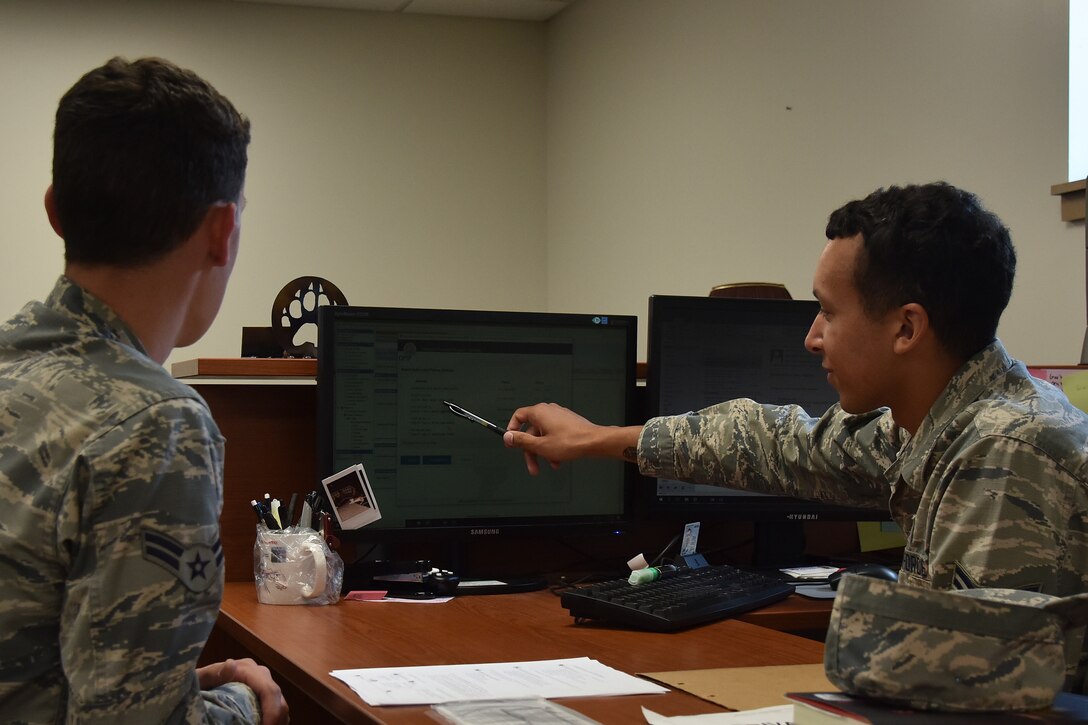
(705, 350)
(384, 375)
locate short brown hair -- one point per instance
(141, 150)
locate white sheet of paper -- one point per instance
(820, 573)
(573, 677)
(778, 714)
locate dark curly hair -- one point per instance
(937, 246)
(141, 150)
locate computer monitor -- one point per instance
(383, 375)
(705, 350)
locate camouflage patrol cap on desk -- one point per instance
(971, 650)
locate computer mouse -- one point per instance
(877, 571)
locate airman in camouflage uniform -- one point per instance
(992, 491)
(111, 470)
(110, 475)
(984, 467)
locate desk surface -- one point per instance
(302, 644)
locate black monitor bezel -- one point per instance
(733, 508)
(522, 526)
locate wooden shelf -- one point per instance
(261, 367)
(1072, 194)
(245, 367)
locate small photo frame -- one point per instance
(351, 497)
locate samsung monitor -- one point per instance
(384, 376)
(705, 350)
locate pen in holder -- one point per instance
(295, 566)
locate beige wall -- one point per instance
(696, 142)
(624, 148)
(401, 157)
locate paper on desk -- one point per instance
(511, 712)
(817, 574)
(573, 677)
(779, 715)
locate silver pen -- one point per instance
(458, 410)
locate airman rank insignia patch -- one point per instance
(196, 566)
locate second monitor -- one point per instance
(706, 350)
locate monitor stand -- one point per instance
(481, 583)
(501, 585)
(778, 544)
(450, 557)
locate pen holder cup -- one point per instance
(295, 566)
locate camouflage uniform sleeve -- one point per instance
(839, 458)
(231, 703)
(1007, 515)
(138, 529)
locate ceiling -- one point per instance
(532, 10)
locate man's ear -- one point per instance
(220, 223)
(913, 323)
(51, 211)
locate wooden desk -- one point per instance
(301, 645)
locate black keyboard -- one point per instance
(677, 601)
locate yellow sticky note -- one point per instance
(1075, 386)
(877, 535)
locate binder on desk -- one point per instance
(825, 708)
(745, 688)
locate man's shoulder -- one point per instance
(1022, 403)
(140, 379)
(137, 386)
(98, 378)
(1033, 413)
